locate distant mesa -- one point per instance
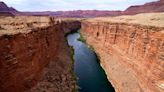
(157, 6)
(151, 7)
(7, 11)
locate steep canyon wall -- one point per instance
(131, 50)
(27, 45)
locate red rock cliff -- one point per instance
(27, 45)
(131, 50)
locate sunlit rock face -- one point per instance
(131, 50)
(27, 45)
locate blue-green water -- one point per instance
(91, 77)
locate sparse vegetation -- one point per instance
(81, 38)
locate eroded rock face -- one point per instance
(131, 53)
(27, 45)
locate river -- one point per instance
(91, 77)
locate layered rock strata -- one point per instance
(131, 50)
(28, 44)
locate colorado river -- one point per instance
(91, 77)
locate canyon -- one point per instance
(131, 50)
(34, 54)
(36, 57)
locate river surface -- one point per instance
(91, 77)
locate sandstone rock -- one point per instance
(130, 49)
(25, 54)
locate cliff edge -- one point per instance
(131, 50)
(34, 54)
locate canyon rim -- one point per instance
(130, 50)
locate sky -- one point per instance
(64, 5)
